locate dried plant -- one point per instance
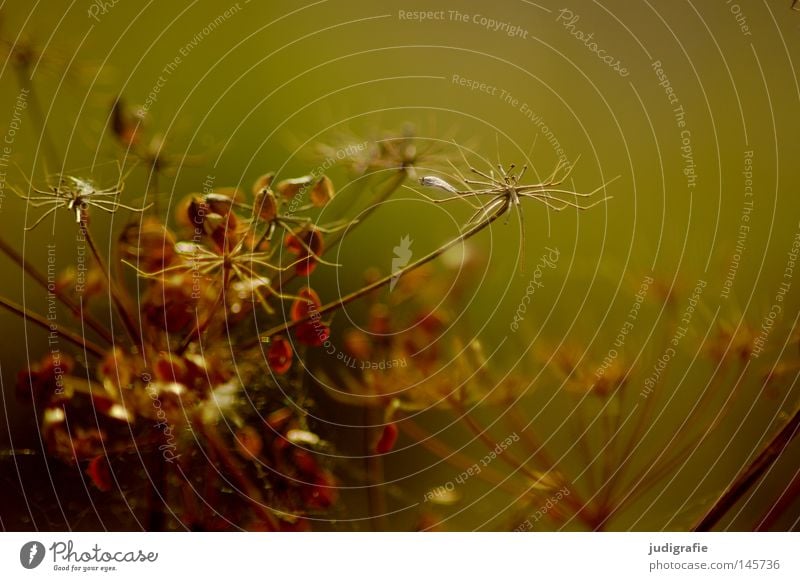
(208, 388)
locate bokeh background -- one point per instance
(261, 88)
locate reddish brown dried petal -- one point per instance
(288, 189)
(322, 192)
(380, 320)
(432, 323)
(100, 473)
(388, 439)
(279, 355)
(307, 304)
(312, 239)
(306, 267)
(263, 181)
(123, 125)
(265, 205)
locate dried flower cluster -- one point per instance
(199, 376)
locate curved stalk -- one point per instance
(763, 462)
(381, 282)
(37, 276)
(70, 336)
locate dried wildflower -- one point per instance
(303, 237)
(190, 388)
(506, 192)
(77, 196)
(401, 150)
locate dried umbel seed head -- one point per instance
(265, 205)
(221, 203)
(288, 189)
(210, 216)
(312, 332)
(173, 400)
(73, 443)
(322, 192)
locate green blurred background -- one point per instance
(274, 78)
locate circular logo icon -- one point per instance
(31, 554)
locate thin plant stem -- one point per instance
(639, 431)
(458, 460)
(482, 435)
(349, 298)
(119, 303)
(680, 452)
(37, 276)
(70, 336)
(751, 474)
(234, 468)
(201, 326)
(650, 476)
(395, 182)
(537, 449)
